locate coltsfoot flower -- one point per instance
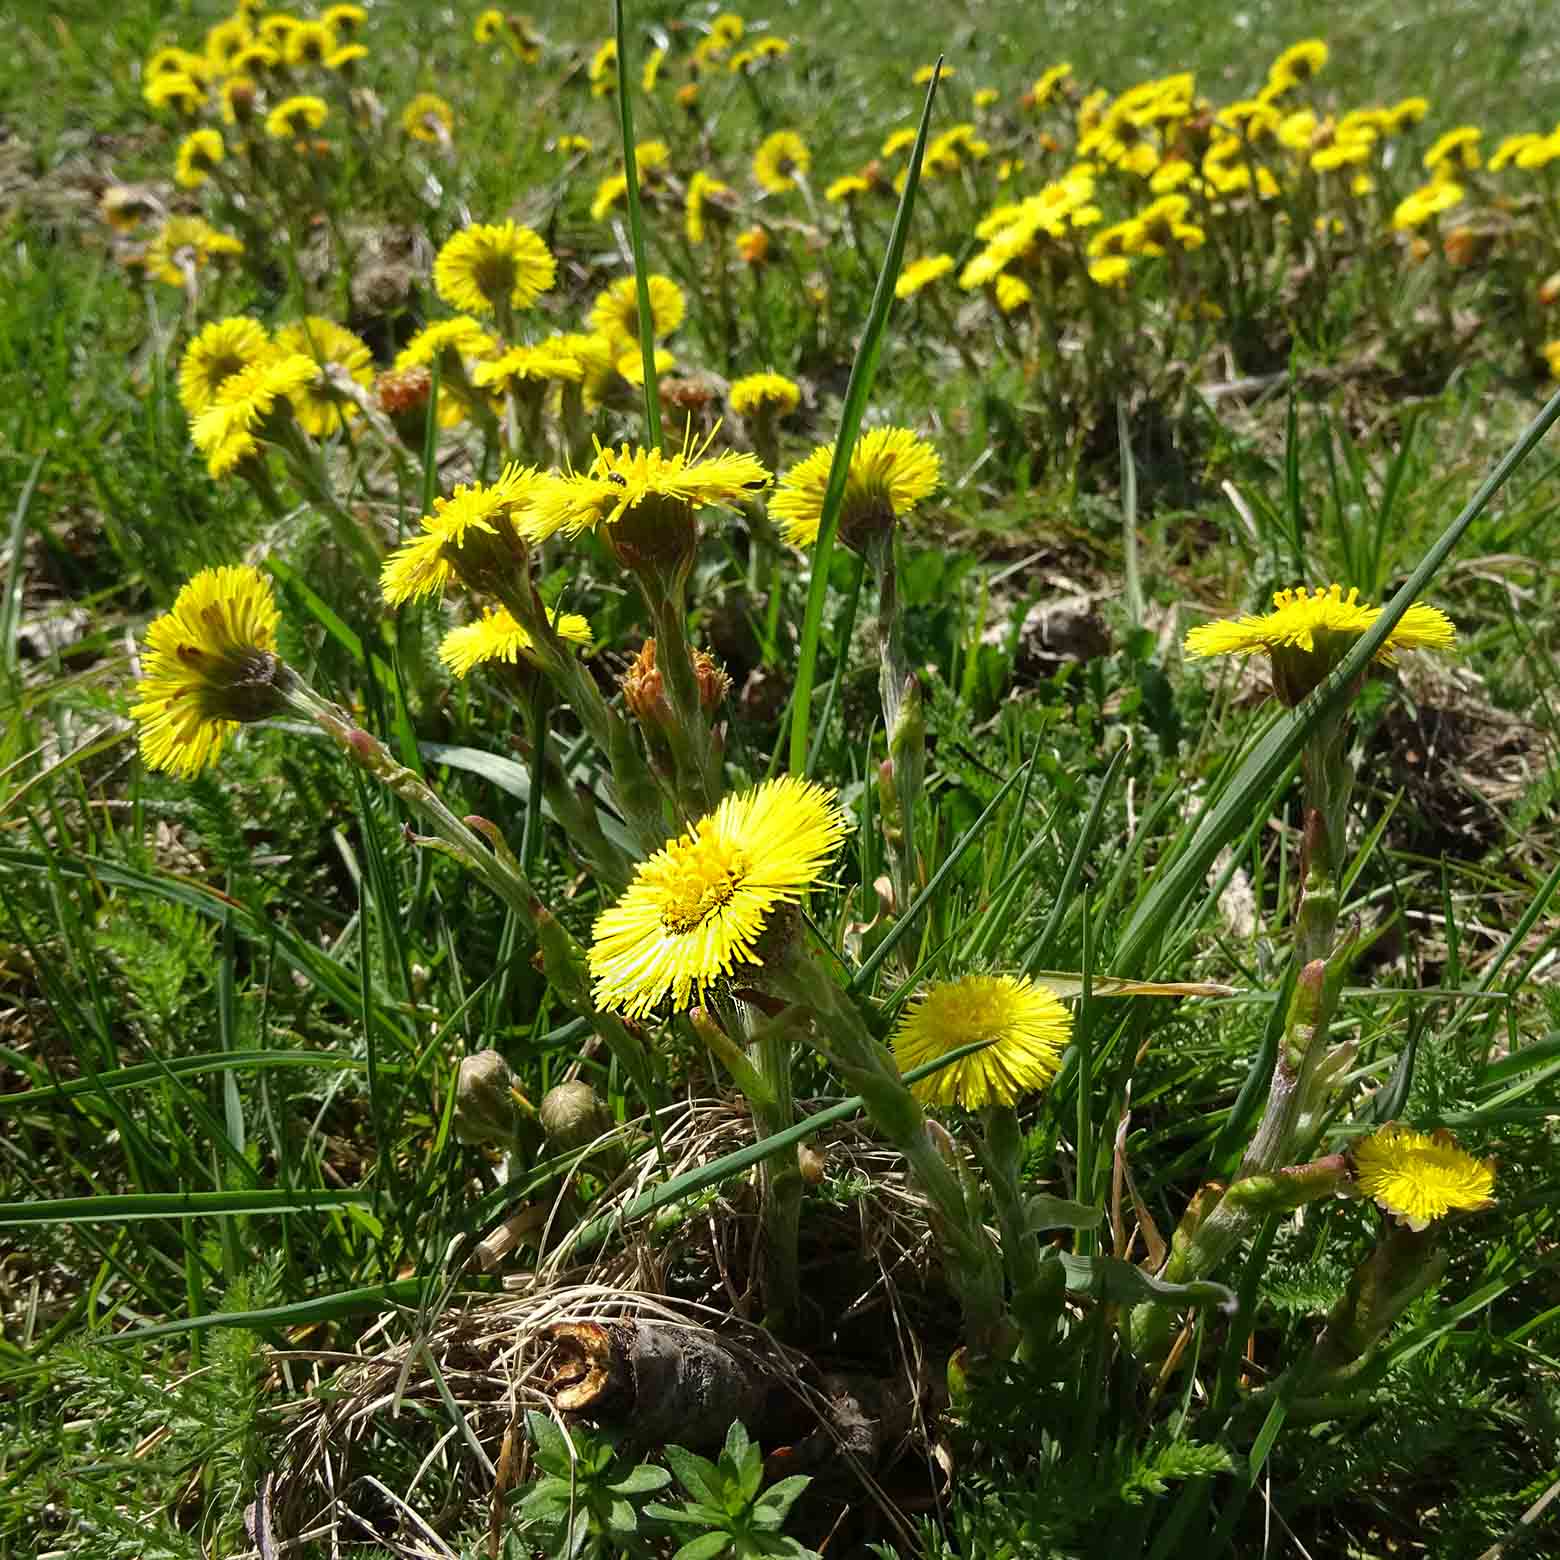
(1309, 632)
(199, 153)
(779, 160)
(462, 336)
(210, 665)
(891, 470)
(1421, 1177)
(491, 262)
(1297, 65)
(189, 242)
(470, 529)
(922, 273)
(296, 116)
(229, 430)
(615, 313)
(545, 363)
(1027, 1026)
(221, 349)
(696, 909)
(756, 393)
(320, 409)
(428, 118)
(496, 636)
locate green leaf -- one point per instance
(704, 1547)
(780, 1497)
(1042, 1212)
(698, 1475)
(552, 1446)
(642, 1480)
(1110, 1279)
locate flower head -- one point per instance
(891, 470)
(309, 43)
(1027, 1026)
(496, 636)
(428, 118)
(1421, 1177)
(697, 908)
(210, 664)
(345, 19)
(468, 532)
(846, 188)
(922, 273)
(1296, 65)
(319, 406)
(644, 496)
(616, 311)
(199, 152)
(462, 336)
(546, 363)
(705, 194)
(176, 90)
(1455, 151)
(603, 69)
(1309, 632)
(244, 406)
(754, 393)
(488, 25)
(295, 116)
(488, 263)
(221, 349)
(186, 243)
(779, 160)
(753, 245)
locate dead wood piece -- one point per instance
(868, 1417)
(663, 1382)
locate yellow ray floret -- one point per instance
(1420, 1177)
(753, 393)
(226, 433)
(496, 636)
(545, 363)
(922, 273)
(428, 118)
(426, 564)
(491, 262)
(616, 311)
(1027, 1026)
(199, 152)
(295, 116)
(221, 349)
(1300, 617)
(696, 909)
(890, 469)
(621, 480)
(781, 158)
(318, 406)
(208, 667)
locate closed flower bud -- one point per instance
(485, 1108)
(572, 1115)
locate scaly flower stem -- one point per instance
(903, 724)
(1036, 1288)
(841, 1037)
(690, 736)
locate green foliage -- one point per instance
(728, 1505)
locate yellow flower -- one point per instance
(1342, 153)
(275, 30)
(1508, 149)
(1047, 83)
(1411, 111)
(609, 192)
(344, 58)
(173, 61)
(175, 90)
(570, 144)
(697, 908)
(846, 188)
(630, 484)
(652, 70)
(1297, 64)
(702, 189)
(630, 364)
(1427, 201)
(309, 43)
(223, 42)
(779, 160)
(546, 363)
(923, 74)
(597, 356)
(462, 335)
(1163, 226)
(1012, 293)
(473, 524)
(208, 666)
(228, 431)
(1543, 151)
(1457, 149)
(896, 142)
(255, 59)
(754, 393)
(488, 25)
(1027, 1026)
(1421, 1177)
(891, 470)
(762, 53)
(223, 348)
(294, 116)
(753, 245)
(603, 69)
(344, 19)
(727, 29)
(186, 241)
(922, 273)
(490, 263)
(496, 636)
(651, 158)
(428, 118)
(1308, 632)
(616, 311)
(1111, 271)
(320, 408)
(985, 97)
(199, 152)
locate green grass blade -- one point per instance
(11, 592)
(636, 233)
(175, 1205)
(862, 372)
(1176, 882)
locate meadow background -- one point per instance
(349, 976)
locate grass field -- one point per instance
(277, 1270)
